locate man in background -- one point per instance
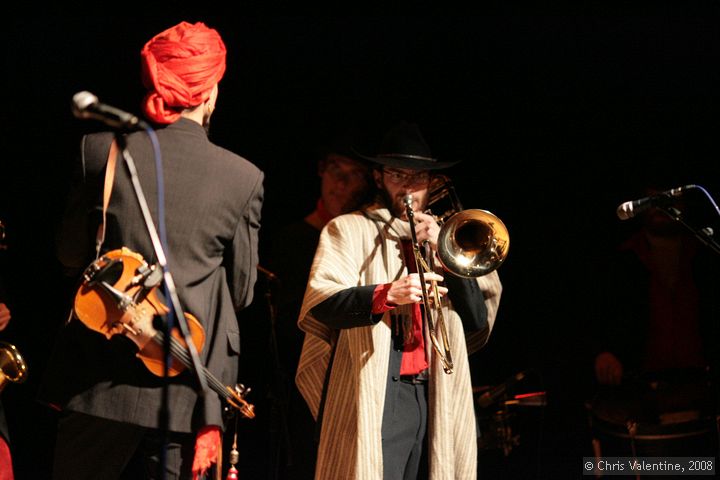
(345, 184)
(655, 339)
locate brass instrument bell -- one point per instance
(12, 365)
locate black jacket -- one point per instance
(213, 200)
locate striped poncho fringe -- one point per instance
(364, 249)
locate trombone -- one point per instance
(471, 243)
(430, 303)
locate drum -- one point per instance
(496, 431)
(501, 417)
(669, 415)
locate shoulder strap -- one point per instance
(107, 191)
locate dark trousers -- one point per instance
(89, 448)
(403, 430)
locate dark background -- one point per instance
(557, 115)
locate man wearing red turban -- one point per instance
(181, 68)
(110, 426)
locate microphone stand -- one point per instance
(176, 310)
(279, 394)
(702, 234)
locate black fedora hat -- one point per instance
(404, 147)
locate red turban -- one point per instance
(180, 67)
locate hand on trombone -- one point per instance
(407, 289)
(426, 229)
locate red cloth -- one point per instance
(180, 67)
(322, 211)
(380, 304)
(207, 445)
(673, 339)
(413, 359)
(6, 468)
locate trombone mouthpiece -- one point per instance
(408, 200)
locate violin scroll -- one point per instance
(237, 400)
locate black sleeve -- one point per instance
(241, 258)
(348, 308)
(468, 301)
(75, 235)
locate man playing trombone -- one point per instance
(376, 369)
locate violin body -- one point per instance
(131, 314)
(118, 296)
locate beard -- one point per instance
(396, 204)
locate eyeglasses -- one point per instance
(400, 178)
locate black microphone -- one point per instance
(86, 105)
(634, 207)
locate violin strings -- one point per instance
(180, 353)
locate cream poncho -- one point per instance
(364, 249)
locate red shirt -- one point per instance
(674, 339)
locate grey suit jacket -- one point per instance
(213, 200)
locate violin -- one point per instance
(117, 296)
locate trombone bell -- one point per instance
(473, 243)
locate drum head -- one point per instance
(673, 415)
